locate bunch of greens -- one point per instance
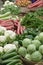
(32, 20)
(40, 11)
(10, 7)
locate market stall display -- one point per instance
(21, 35)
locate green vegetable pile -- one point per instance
(10, 7)
(32, 50)
(10, 58)
(32, 20)
(29, 44)
(40, 11)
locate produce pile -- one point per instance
(33, 20)
(20, 36)
(32, 50)
(10, 7)
(13, 25)
(8, 48)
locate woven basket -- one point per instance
(26, 62)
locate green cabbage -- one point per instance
(41, 37)
(37, 43)
(31, 48)
(26, 42)
(22, 51)
(41, 49)
(37, 37)
(28, 57)
(36, 56)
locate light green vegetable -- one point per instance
(37, 43)
(22, 51)
(31, 48)
(10, 7)
(41, 37)
(37, 37)
(5, 15)
(6, 18)
(41, 49)
(28, 57)
(26, 42)
(9, 55)
(36, 56)
(16, 43)
(14, 62)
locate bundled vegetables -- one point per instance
(13, 25)
(10, 7)
(11, 56)
(32, 20)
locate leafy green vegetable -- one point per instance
(28, 57)
(22, 51)
(37, 43)
(36, 56)
(11, 8)
(41, 37)
(32, 20)
(41, 49)
(26, 42)
(40, 11)
(31, 48)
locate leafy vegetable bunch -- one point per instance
(10, 7)
(40, 11)
(32, 20)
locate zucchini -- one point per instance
(6, 56)
(5, 15)
(14, 57)
(5, 18)
(10, 59)
(14, 62)
(6, 61)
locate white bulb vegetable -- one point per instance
(10, 34)
(9, 47)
